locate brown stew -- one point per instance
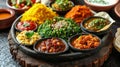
(51, 45)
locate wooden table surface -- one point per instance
(7, 61)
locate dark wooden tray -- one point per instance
(95, 60)
(69, 55)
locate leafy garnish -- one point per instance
(28, 2)
(29, 34)
(13, 2)
(25, 24)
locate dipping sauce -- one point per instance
(26, 25)
(51, 45)
(95, 24)
(85, 42)
(4, 15)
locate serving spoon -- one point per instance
(105, 27)
(107, 16)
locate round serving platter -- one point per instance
(94, 60)
(69, 55)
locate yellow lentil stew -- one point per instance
(38, 13)
(27, 37)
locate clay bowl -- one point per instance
(17, 10)
(7, 17)
(102, 32)
(41, 51)
(97, 7)
(117, 9)
(21, 26)
(81, 47)
(61, 12)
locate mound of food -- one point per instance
(27, 37)
(59, 27)
(79, 13)
(38, 13)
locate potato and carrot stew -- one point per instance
(85, 42)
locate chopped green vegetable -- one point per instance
(20, 1)
(29, 34)
(62, 5)
(13, 2)
(96, 24)
(28, 2)
(59, 27)
(26, 24)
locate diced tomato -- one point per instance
(33, 1)
(30, 25)
(22, 5)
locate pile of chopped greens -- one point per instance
(59, 27)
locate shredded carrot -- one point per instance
(79, 13)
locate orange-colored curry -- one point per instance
(4, 15)
(86, 42)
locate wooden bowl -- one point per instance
(7, 17)
(117, 9)
(61, 12)
(96, 7)
(22, 27)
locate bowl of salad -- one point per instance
(61, 6)
(20, 6)
(101, 5)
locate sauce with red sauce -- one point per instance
(27, 25)
(51, 45)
